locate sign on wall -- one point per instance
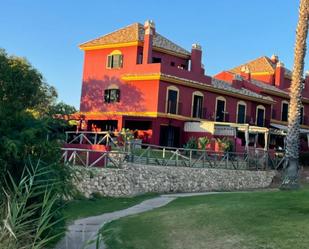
(221, 130)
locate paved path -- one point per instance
(86, 229)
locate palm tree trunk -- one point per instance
(291, 167)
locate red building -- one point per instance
(136, 78)
(269, 77)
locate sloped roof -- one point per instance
(262, 85)
(220, 84)
(134, 33)
(259, 65)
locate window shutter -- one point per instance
(120, 60)
(118, 95)
(106, 96)
(116, 61)
(109, 61)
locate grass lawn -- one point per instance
(257, 220)
(82, 208)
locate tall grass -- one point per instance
(29, 209)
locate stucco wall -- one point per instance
(138, 179)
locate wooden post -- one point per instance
(87, 158)
(148, 155)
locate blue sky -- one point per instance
(231, 32)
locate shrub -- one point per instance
(191, 144)
(203, 142)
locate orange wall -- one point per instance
(138, 96)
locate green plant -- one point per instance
(203, 142)
(192, 143)
(29, 210)
(225, 144)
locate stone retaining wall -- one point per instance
(138, 179)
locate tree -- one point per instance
(30, 134)
(291, 166)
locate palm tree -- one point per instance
(291, 166)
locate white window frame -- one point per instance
(222, 99)
(284, 102)
(196, 93)
(256, 114)
(173, 88)
(114, 52)
(244, 104)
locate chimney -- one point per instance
(196, 59)
(237, 81)
(274, 59)
(245, 73)
(150, 30)
(279, 75)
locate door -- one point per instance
(169, 136)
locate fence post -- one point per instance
(87, 158)
(190, 158)
(95, 138)
(148, 155)
(177, 157)
(227, 159)
(74, 158)
(204, 154)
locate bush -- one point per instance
(191, 144)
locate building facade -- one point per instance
(136, 78)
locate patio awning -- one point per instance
(285, 128)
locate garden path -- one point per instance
(83, 230)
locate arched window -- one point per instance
(260, 115)
(220, 109)
(241, 112)
(172, 100)
(112, 94)
(115, 59)
(284, 110)
(197, 104)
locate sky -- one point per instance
(230, 32)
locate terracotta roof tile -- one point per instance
(261, 64)
(132, 33)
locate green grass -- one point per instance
(82, 208)
(258, 220)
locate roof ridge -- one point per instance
(135, 23)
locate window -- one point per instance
(197, 104)
(220, 109)
(260, 115)
(241, 112)
(172, 100)
(111, 95)
(284, 110)
(115, 59)
(156, 60)
(172, 63)
(301, 118)
(140, 58)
